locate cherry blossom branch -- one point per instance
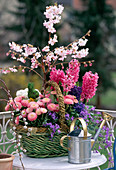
(16, 53)
(5, 89)
(83, 37)
(5, 100)
(25, 67)
(90, 61)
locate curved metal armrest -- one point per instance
(114, 154)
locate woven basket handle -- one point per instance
(60, 101)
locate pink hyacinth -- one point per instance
(90, 82)
(32, 116)
(72, 75)
(69, 79)
(57, 75)
(68, 101)
(51, 107)
(73, 70)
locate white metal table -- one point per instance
(57, 163)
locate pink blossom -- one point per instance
(37, 55)
(15, 47)
(34, 63)
(29, 50)
(5, 71)
(25, 103)
(13, 57)
(32, 116)
(23, 70)
(23, 113)
(46, 49)
(21, 59)
(13, 70)
(33, 105)
(17, 105)
(82, 42)
(17, 120)
(51, 107)
(82, 53)
(52, 13)
(46, 100)
(74, 47)
(53, 40)
(90, 82)
(50, 57)
(68, 101)
(18, 99)
(61, 52)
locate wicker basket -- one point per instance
(39, 144)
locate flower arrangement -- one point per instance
(32, 108)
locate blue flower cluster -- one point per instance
(79, 107)
(76, 91)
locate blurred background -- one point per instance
(22, 21)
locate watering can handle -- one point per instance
(62, 139)
(83, 125)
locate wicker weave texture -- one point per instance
(41, 146)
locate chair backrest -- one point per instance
(114, 153)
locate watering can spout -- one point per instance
(106, 117)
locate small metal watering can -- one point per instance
(80, 142)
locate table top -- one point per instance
(57, 163)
